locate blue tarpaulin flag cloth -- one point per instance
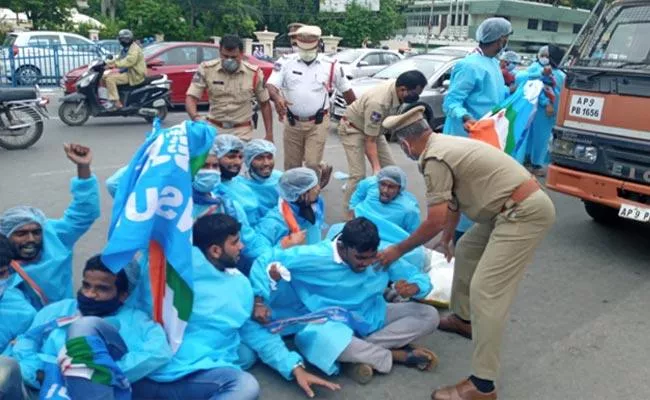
(153, 210)
(84, 357)
(333, 314)
(507, 125)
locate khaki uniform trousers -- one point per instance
(112, 81)
(355, 152)
(490, 262)
(305, 141)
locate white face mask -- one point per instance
(308, 55)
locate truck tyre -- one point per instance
(602, 214)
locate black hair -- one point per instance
(6, 251)
(231, 42)
(214, 229)
(555, 55)
(360, 234)
(428, 111)
(411, 79)
(95, 263)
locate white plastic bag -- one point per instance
(441, 274)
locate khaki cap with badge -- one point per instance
(307, 37)
(410, 122)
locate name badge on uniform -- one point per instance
(217, 82)
(297, 72)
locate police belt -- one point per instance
(305, 119)
(351, 124)
(522, 192)
(228, 124)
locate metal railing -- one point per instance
(46, 65)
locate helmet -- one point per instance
(125, 37)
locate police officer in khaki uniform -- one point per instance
(512, 216)
(231, 84)
(360, 127)
(306, 83)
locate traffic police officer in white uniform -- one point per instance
(307, 82)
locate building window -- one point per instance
(533, 24)
(576, 28)
(549, 26)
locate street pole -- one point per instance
(426, 45)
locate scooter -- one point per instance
(150, 99)
(22, 111)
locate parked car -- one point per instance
(179, 61)
(436, 68)
(358, 63)
(459, 51)
(45, 56)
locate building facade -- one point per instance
(455, 22)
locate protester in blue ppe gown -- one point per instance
(476, 86)
(127, 337)
(44, 247)
(339, 273)
(546, 69)
(385, 196)
(259, 157)
(301, 201)
(205, 366)
(230, 151)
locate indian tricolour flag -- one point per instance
(152, 211)
(506, 126)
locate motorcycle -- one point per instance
(150, 99)
(22, 111)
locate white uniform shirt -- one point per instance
(306, 86)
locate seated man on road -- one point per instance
(230, 151)
(16, 315)
(132, 68)
(206, 364)
(335, 279)
(43, 247)
(259, 157)
(94, 346)
(299, 216)
(384, 196)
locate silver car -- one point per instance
(357, 63)
(435, 67)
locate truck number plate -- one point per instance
(588, 107)
(634, 212)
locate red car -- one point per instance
(177, 60)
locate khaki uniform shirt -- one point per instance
(134, 62)
(369, 110)
(230, 94)
(473, 176)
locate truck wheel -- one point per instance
(602, 214)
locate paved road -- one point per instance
(578, 329)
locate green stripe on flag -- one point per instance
(183, 295)
(80, 352)
(197, 162)
(511, 115)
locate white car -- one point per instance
(45, 56)
(359, 63)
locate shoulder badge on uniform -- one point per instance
(375, 117)
(197, 78)
(277, 66)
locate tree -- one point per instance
(44, 14)
(149, 17)
(359, 23)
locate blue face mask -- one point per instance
(511, 66)
(544, 61)
(4, 284)
(206, 180)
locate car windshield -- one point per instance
(153, 49)
(425, 65)
(348, 56)
(620, 40)
(9, 40)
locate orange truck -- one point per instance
(600, 149)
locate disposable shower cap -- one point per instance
(224, 144)
(16, 217)
(393, 174)
(256, 147)
(511, 56)
(295, 182)
(492, 29)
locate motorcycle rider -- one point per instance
(132, 68)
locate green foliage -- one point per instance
(44, 14)
(149, 17)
